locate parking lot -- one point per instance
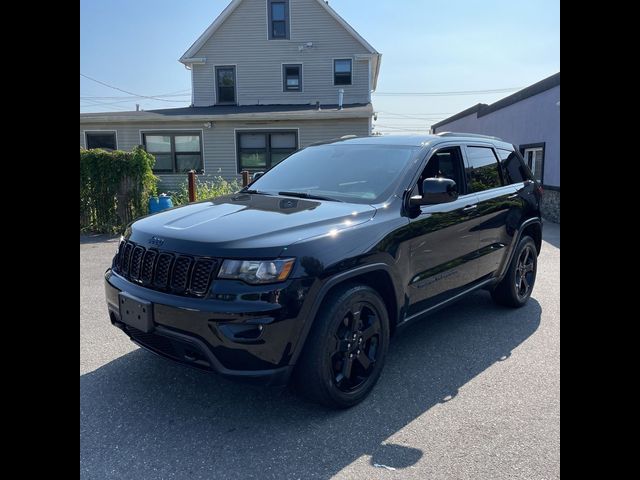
(469, 393)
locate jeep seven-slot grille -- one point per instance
(159, 270)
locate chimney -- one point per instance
(137, 107)
(340, 98)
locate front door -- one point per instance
(442, 243)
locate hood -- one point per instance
(246, 225)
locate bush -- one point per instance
(205, 189)
(114, 188)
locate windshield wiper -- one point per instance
(308, 195)
(255, 192)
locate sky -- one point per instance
(427, 47)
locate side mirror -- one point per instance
(256, 176)
(435, 191)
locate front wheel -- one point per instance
(515, 288)
(346, 348)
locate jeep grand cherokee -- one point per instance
(305, 274)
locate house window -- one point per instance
(292, 78)
(104, 140)
(484, 171)
(278, 19)
(534, 158)
(262, 150)
(226, 85)
(175, 152)
(342, 72)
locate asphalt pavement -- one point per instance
(472, 392)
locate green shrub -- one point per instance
(205, 189)
(114, 188)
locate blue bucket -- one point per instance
(164, 202)
(154, 205)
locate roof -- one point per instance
(234, 112)
(483, 109)
(187, 57)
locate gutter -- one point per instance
(365, 112)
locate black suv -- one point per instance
(306, 273)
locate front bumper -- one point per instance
(240, 331)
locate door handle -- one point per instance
(469, 207)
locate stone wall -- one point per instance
(551, 205)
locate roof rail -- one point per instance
(460, 134)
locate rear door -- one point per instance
(496, 203)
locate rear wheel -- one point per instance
(515, 288)
(346, 348)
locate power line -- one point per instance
(99, 104)
(130, 97)
(129, 93)
(417, 116)
(444, 94)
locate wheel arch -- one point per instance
(378, 276)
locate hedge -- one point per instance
(114, 188)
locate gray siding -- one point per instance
(219, 147)
(242, 41)
(533, 120)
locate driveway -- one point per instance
(472, 392)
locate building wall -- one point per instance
(242, 41)
(533, 120)
(219, 148)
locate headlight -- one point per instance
(257, 271)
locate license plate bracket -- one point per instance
(136, 312)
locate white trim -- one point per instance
(194, 61)
(146, 117)
(193, 94)
(202, 39)
(256, 129)
(369, 82)
(84, 134)
(215, 83)
(301, 77)
(333, 71)
(201, 130)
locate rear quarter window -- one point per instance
(514, 169)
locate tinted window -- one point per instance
(353, 173)
(445, 163)
(105, 140)
(484, 171)
(512, 167)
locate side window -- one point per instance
(512, 167)
(444, 163)
(484, 171)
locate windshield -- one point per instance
(351, 173)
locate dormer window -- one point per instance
(278, 19)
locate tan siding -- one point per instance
(242, 40)
(219, 141)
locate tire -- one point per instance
(515, 288)
(325, 372)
